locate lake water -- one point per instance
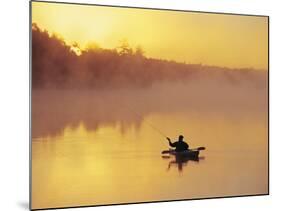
(95, 148)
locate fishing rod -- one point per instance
(160, 132)
(145, 121)
(148, 123)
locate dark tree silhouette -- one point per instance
(58, 65)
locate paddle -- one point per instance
(195, 149)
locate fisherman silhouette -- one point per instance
(180, 145)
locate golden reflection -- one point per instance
(91, 167)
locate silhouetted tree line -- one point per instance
(56, 65)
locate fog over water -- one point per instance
(109, 107)
(86, 143)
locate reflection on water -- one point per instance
(181, 161)
(89, 149)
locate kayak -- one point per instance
(186, 153)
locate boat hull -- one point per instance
(186, 153)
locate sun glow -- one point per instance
(213, 39)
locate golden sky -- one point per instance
(212, 39)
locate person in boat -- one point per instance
(180, 145)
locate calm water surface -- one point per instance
(94, 150)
